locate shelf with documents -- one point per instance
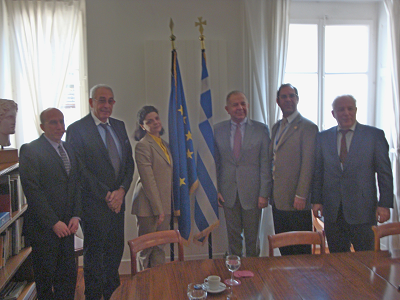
(15, 266)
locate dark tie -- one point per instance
(343, 146)
(112, 149)
(237, 142)
(64, 158)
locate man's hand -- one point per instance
(73, 225)
(115, 200)
(299, 203)
(262, 202)
(382, 214)
(161, 218)
(220, 200)
(61, 229)
(317, 210)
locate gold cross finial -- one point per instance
(201, 29)
(172, 36)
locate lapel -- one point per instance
(355, 146)
(156, 147)
(94, 137)
(248, 133)
(332, 146)
(294, 126)
(226, 138)
(52, 153)
(118, 132)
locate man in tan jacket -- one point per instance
(292, 151)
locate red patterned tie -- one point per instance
(237, 142)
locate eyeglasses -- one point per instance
(110, 101)
(291, 96)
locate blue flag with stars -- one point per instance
(181, 145)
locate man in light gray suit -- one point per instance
(349, 156)
(293, 153)
(243, 171)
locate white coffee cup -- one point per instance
(213, 282)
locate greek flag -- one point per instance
(181, 144)
(206, 204)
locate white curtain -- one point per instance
(393, 10)
(266, 34)
(39, 37)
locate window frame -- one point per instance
(372, 62)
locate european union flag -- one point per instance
(206, 204)
(181, 144)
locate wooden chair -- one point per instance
(78, 249)
(296, 238)
(154, 239)
(318, 226)
(384, 230)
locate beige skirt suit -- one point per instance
(152, 195)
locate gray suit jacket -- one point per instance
(153, 190)
(250, 176)
(294, 163)
(355, 185)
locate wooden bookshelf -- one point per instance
(12, 266)
(15, 215)
(17, 267)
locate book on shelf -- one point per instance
(5, 195)
(4, 217)
(29, 292)
(15, 292)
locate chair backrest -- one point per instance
(384, 230)
(154, 239)
(296, 238)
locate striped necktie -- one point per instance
(64, 158)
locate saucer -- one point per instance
(220, 288)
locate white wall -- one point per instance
(119, 34)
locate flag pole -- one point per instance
(172, 37)
(171, 223)
(200, 23)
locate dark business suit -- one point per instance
(349, 194)
(103, 229)
(242, 181)
(52, 196)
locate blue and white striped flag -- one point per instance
(181, 144)
(206, 203)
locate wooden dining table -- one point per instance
(352, 275)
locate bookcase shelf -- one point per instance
(12, 266)
(17, 267)
(15, 216)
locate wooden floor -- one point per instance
(118, 294)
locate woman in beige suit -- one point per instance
(153, 191)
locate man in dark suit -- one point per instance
(348, 158)
(293, 153)
(103, 148)
(49, 177)
(244, 173)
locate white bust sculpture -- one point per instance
(8, 114)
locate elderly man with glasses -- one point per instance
(105, 153)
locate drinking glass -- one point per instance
(233, 264)
(196, 292)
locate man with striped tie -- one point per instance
(49, 177)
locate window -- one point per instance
(44, 62)
(328, 60)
